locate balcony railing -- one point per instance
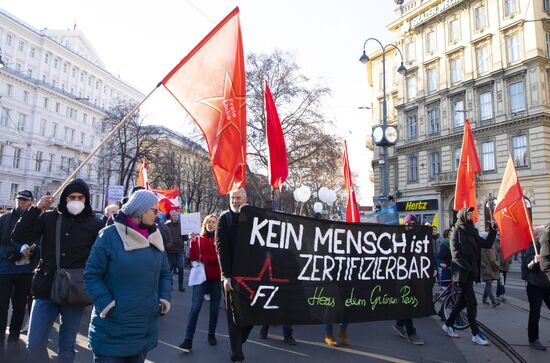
(445, 179)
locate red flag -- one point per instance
(352, 210)
(142, 178)
(169, 199)
(465, 192)
(511, 214)
(209, 83)
(278, 162)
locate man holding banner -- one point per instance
(226, 242)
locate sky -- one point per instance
(142, 41)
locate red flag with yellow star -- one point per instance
(209, 83)
(465, 192)
(511, 214)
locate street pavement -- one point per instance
(371, 342)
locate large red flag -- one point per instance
(465, 192)
(352, 210)
(278, 162)
(511, 213)
(142, 178)
(209, 83)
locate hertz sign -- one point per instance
(418, 205)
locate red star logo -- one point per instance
(229, 106)
(267, 266)
(507, 212)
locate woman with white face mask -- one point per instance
(79, 229)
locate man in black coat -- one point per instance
(15, 271)
(226, 240)
(466, 245)
(79, 229)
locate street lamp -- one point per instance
(384, 135)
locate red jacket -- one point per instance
(208, 256)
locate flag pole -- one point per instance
(530, 226)
(105, 139)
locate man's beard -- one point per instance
(235, 209)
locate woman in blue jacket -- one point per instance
(127, 297)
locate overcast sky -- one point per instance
(142, 41)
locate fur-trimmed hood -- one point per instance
(134, 240)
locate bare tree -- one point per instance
(132, 143)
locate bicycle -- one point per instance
(446, 300)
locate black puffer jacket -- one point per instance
(533, 273)
(78, 234)
(466, 245)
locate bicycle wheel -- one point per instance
(461, 321)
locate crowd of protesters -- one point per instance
(39, 245)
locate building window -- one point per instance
(435, 165)
(458, 113)
(510, 7)
(433, 120)
(431, 44)
(4, 119)
(50, 162)
(16, 158)
(38, 164)
(456, 157)
(412, 169)
(548, 44)
(21, 122)
(411, 87)
(74, 72)
(43, 123)
(454, 31)
(482, 55)
(55, 63)
(519, 150)
(480, 17)
(14, 190)
(410, 51)
(46, 100)
(65, 66)
(18, 67)
(431, 74)
(54, 129)
(25, 96)
(31, 52)
(69, 135)
(29, 72)
(411, 127)
(485, 106)
(517, 97)
(9, 39)
(456, 70)
(82, 138)
(9, 89)
(57, 107)
(1, 153)
(46, 58)
(547, 5)
(488, 156)
(512, 42)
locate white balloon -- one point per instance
(323, 194)
(305, 193)
(296, 195)
(331, 197)
(318, 207)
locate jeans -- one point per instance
(536, 296)
(408, 324)
(214, 288)
(466, 299)
(140, 358)
(488, 292)
(176, 263)
(43, 314)
(15, 287)
(330, 331)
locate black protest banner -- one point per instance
(298, 270)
